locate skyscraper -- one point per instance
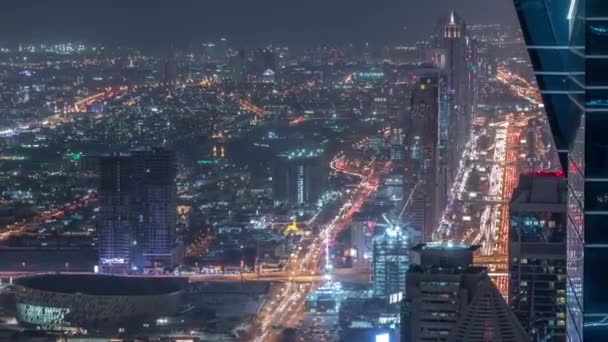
(116, 225)
(449, 299)
(155, 173)
(457, 57)
(137, 197)
(452, 41)
(361, 242)
(425, 175)
(391, 260)
(568, 46)
(537, 254)
(238, 67)
(299, 176)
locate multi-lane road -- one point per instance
(31, 224)
(285, 306)
(499, 165)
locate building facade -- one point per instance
(568, 45)
(456, 56)
(299, 176)
(425, 178)
(439, 286)
(137, 198)
(537, 254)
(94, 303)
(390, 260)
(449, 299)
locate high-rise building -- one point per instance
(452, 41)
(376, 143)
(299, 176)
(137, 197)
(116, 225)
(222, 50)
(238, 67)
(425, 172)
(457, 58)
(568, 47)
(264, 59)
(449, 299)
(155, 172)
(537, 254)
(380, 108)
(390, 260)
(361, 242)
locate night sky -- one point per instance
(245, 22)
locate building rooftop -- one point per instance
(447, 270)
(540, 188)
(100, 285)
(445, 246)
(302, 153)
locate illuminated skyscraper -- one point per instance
(299, 176)
(457, 57)
(537, 254)
(568, 45)
(452, 42)
(116, 225)
(137, 197)
(155, 174)
(391, 260)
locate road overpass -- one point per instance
(344, 275)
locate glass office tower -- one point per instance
(568, 44)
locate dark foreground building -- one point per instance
(537, 254)
(567, 41)
(448, 299)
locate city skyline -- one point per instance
(159, 24)
(391, 171)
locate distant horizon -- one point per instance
(160, 23)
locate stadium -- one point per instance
(61, 302)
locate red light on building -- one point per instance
(541, 173)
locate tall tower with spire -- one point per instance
(456, 51)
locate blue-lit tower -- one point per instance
(568, 44)
(116, 219)
(391, 259)
(137, 214)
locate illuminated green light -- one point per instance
(301, 153)
(73, 156)
(207, 162)
(13, 158)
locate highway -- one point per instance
(500, 164)
(285, 306)
(347, 275)
(27, 225)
